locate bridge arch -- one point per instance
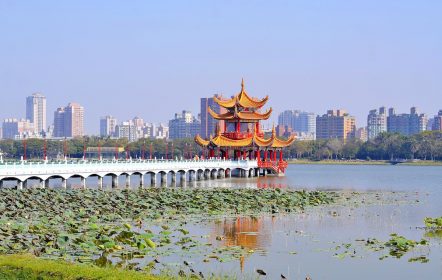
(213, 173)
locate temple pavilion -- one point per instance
(239, 135)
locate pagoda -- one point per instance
(241, 133)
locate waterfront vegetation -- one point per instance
(366, 162)
(387, 146)
(426, 146)
(119, 228)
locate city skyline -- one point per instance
(281, 118)
(356, 56)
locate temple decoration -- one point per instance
(242, 133)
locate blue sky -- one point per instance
(154, 58)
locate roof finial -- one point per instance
(242, 84)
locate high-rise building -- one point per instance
(59, 115)
(139, 127)
(127, 130)
(69, 121)
(208, 123)
(437, 123)
(17, 129)
(335, 124)
(285, 119)
(361, 134)
(162, 131)
(107, 126)
(36, 112)
(184, 125)
(148, 130)
(376, 122)
(406, 124)
(299, 121)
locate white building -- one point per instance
(184, 125)
(107, 126)
(126, 130)
(162, 131)
(376, 122)
(36, 112)
(17, 129)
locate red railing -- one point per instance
(240, 135)
(276, 166)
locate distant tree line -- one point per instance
(387, 146)
(14, 149)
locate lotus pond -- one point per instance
(326, 222)
(134, 229)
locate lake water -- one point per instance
(301, 245)
(395, 199)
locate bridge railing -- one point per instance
(133, 161)
(114, 165)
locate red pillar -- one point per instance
(244, 154)
(271, 155)
(265, 155)
(150, 150)
(238, 127)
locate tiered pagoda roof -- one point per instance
(245, 109)
(241, 107)
(242, 116)
(255, 140)
(242, 99)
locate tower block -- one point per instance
(242, 137)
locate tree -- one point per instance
(351, 148)
(335, 145)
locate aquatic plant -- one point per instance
(123, 226)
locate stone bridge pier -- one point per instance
(20, 174)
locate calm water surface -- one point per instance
(303, 245)
(300, 245)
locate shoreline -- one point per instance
(372, 162)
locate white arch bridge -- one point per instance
(186, 170)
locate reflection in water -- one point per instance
(264, 183)
(247, 232)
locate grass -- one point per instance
(30, 267)
(424, 163)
